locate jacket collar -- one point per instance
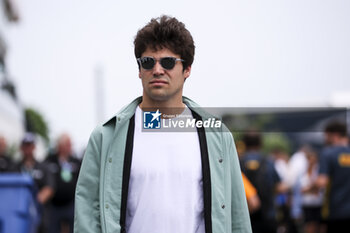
(125, 113)
(129, 110)
(197, 109)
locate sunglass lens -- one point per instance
(147, 63)
(168, 62)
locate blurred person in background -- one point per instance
(43, 179)
(251, 194)
(65, 168)
(285, 222)
(335, 175)
(297, 167)
(280, 158)
(262, 174)
(6, 163)
(311, 197)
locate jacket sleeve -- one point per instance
(239, 210)
(87, 205)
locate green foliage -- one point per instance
(35, 123)
(275, 141)
(239, 124)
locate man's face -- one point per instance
(160, 84)
(65, 146)
(28, 149)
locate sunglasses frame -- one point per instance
(139, 60)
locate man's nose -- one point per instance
(158, 69)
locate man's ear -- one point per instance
(187, 72)
(140, 74)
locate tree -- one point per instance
(35, 123)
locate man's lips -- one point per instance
(158, 82)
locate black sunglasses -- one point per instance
(166, 62)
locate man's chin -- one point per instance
(160, 97)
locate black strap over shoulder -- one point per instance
(205, 174)
(126, 171)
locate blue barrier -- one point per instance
(18, 206)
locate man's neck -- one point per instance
(63, 157)
(342, 141)
(29, 162)
(171, 106)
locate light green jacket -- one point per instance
(98, 199)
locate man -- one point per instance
(263, 175)
(160, 182)
(43, 179)
(65, 169)
(334, 174)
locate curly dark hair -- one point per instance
(336, 127)
(166, 32)
(252, 140)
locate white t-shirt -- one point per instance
(165, 187)
(310, 199)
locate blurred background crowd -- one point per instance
(306, 190)
(303, 191)
(54, 182)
